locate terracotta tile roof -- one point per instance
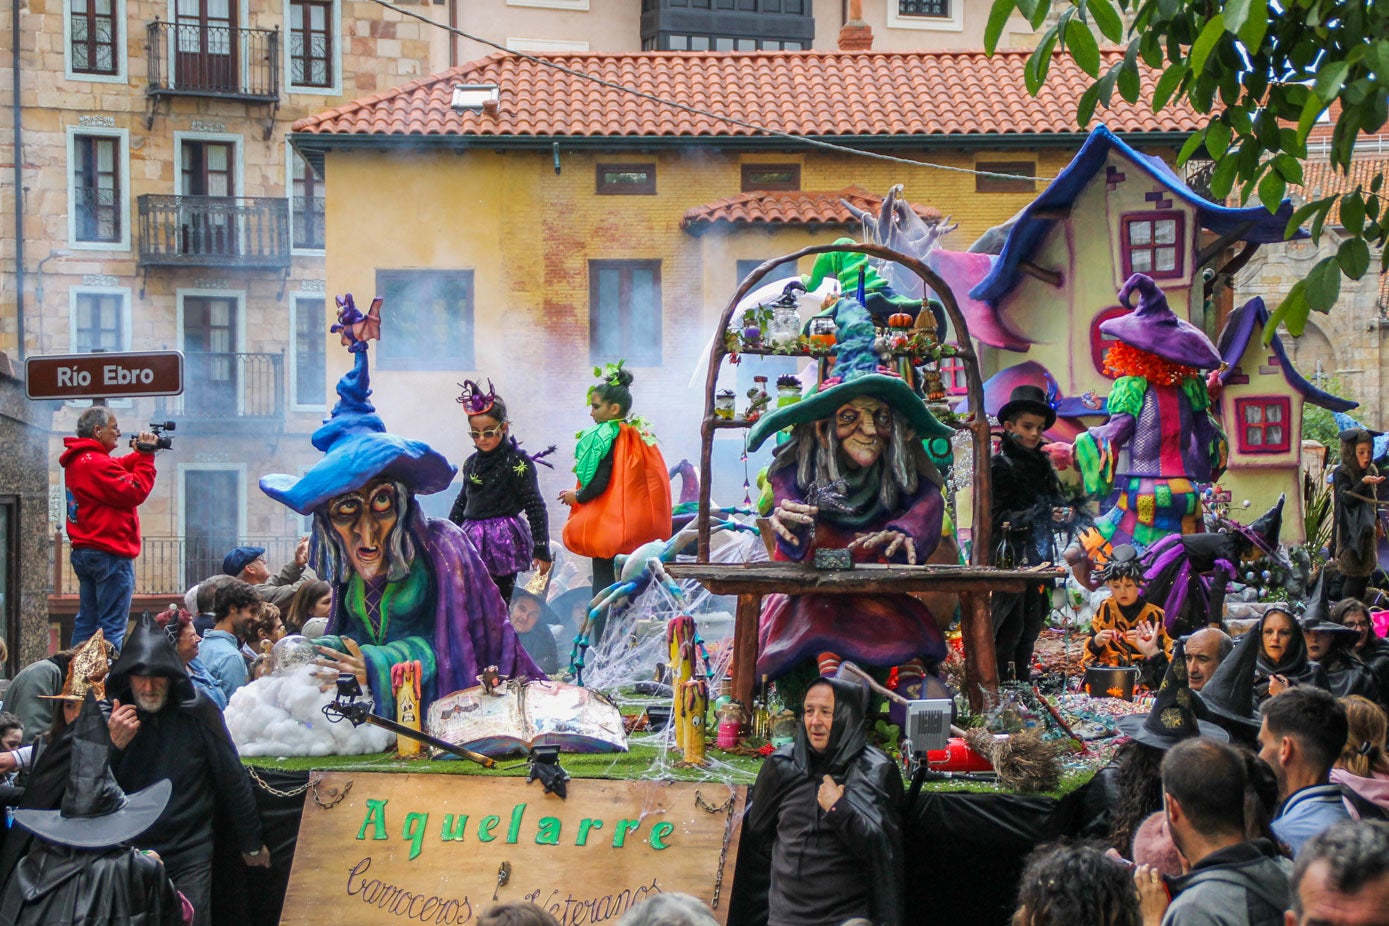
(1320, 179)
(922, 93)
(790, 207)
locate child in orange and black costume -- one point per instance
(1127, 629)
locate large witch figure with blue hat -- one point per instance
(853, 475)
(1160, 443)
(405, 588)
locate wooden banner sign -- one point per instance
(412, 848)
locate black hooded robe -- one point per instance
(1295, 666)
(120, 886)
(798, 864)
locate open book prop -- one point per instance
(516, 715)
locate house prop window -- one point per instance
(952, 375)
(1099, 343)
(1025, 173)
(431, 319)
(94, 29)
(624, 298)
(627, 179)
(935, 8)
(1263, 424)
(96, 186)
(771, 177)
(1153, 243)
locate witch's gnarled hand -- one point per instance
(895, 540)
(789, 517)
(351, 661)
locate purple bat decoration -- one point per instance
(357, 329)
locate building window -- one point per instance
(1099, 343)
(936, 8)
(1263, 424)
(306, 204)
(1024, 171)
(627, 179)
(311, 43)
(431, 319)
(771, 177)
(624, 315)
(1153, 243)
(308, 371)
(93, 37)
(96, 188)
(783, 271)
(99, 322)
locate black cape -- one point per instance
(1294, 666)
(45, 784)
(867, 821)
(57, 886)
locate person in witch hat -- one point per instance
(1026, 508)
(1330, 644)
(183, 737)
(853, 475)
(1227, 698)
(80, 868)
(1125, 792)
(405, 588)
(1160, 442)
(532, 617)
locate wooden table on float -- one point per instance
(749, 582)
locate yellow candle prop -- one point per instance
(691, 693)
(405, 682)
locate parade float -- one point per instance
(869, 554)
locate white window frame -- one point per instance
(238, 157)
(293, 377)
(123, 157)
(126, 319)
(955, 22)
(182, 502)
(238, 347)
(581, 5)
(338, 38)
(544, 46)
(122, 44)
(289, 195)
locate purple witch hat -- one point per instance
(1155, 328)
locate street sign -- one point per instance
(104, 376)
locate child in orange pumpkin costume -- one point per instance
(622, 499)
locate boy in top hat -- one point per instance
(1027, 497)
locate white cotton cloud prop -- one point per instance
(282, 715)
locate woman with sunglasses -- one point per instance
(499, 506)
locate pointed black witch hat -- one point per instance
(1227, 698)
(96, 813)
(1172, 718)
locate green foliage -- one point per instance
(1265, 73)
(1316, 513)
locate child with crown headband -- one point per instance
(622, 499)
(499, 506)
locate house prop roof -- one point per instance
(1234, 339)
(790, 207)
(1029, 228)
(882, 94)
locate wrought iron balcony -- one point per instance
(195, 59)
(214, 231)
(169, 565)
(226, 387)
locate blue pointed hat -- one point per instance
(357, 449)
(856, 373)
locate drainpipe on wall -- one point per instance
(18, 182)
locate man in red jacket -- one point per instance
(102, 494)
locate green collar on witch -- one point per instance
(396, 598)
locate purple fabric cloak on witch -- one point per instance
(871, 630)
(432, 600)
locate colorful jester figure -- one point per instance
(405, 588)
(1160, 443)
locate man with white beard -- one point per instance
(181, 736)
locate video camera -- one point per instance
(162, 441)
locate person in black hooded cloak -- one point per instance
(822, 838)
(79, 869)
